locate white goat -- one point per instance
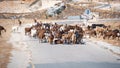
(33, 32)
(15, 28)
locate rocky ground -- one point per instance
(73, 9)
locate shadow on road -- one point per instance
(78, 65)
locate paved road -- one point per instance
(28, 52)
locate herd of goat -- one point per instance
(69, 34)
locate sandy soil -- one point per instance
(5, 47)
